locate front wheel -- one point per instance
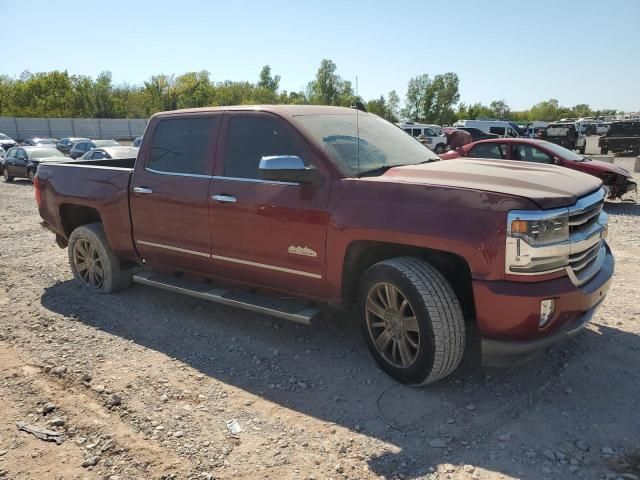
(93, 263)
(411, 320)
(7, 178)
(439, 148)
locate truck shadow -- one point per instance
(325, 371)
(622, 208)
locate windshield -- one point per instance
(563, 152)
(44, 153)
(4, 137)
(380, 143)
(106, 143)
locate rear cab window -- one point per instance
(180, 146)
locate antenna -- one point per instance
(357, 128)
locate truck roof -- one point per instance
(292, 110)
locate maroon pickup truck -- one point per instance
(280, 209)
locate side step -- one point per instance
(287, 309)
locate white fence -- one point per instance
(21, 128)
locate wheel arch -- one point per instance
(74, 216)
(362, 254)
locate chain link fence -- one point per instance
(21, 128)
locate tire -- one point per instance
(433, 332)
(31, 175)
(604, 151)
(89, 242)
(582, 149)
(7, 178)
(439, 148)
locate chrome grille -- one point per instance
(587, 225)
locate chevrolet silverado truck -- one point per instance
(283, 209)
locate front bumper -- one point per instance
(508, 313)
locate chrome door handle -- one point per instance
(225, 198)
(143, 190)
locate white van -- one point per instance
(498, 127)
(436, 139)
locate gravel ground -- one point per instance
(142, 384)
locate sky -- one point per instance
(577, 51)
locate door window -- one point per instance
(430, 133)
(98, 155)
(21, 155)
(251, 138)
(527, 153)
(417, 132)
(181, 145)
(497, 130)
(489, 150)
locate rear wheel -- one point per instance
(411, 320)
(7, 178)
(93, 263)
(604, 150)
(582, 149)
(31, 174)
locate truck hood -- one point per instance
(549, 186)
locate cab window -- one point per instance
(180, 145)
(496, 151)
(497, 130)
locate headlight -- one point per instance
(537, 242)
(538, 232)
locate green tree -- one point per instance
(328, 88)
(268, 81)
(432, 100)
(500, 109)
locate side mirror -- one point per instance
(287, 168)
(557, 161)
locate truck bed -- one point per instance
(75, 190)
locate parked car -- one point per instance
(622, 136)
(23, 161)
(65, 144)
(497, 127)
(39, 142)
(83, 146)
(137, 142)
(106, 143)
(6, 142)
(288, 209)
(434, 137)
(109, 153)
(566, 134)
(477, 134)
(617, 180)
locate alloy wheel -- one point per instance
(88, 264)
(392, 325)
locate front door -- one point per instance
(19, 164)
(170, 193)
(267, 233)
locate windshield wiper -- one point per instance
(376, 171)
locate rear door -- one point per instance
(267, 232)
(170, 192)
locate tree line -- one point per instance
(428, 100)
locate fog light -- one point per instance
(547, 308)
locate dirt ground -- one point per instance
(141, 384)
